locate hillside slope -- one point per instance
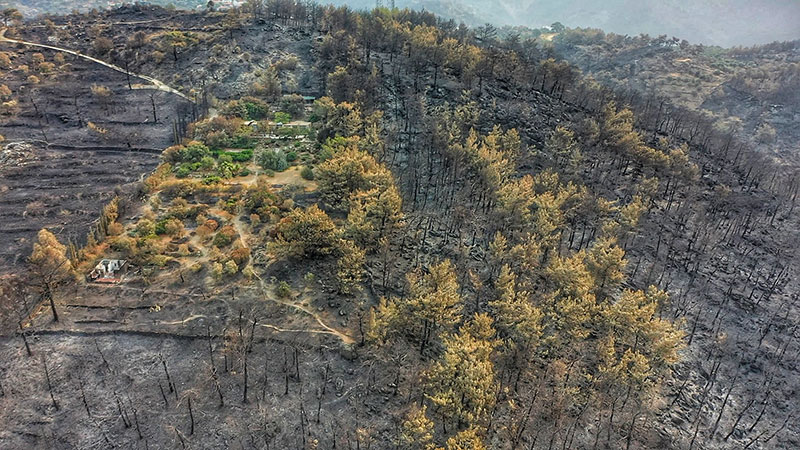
(454, 246)
(752, 91)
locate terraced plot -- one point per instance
(62, 191)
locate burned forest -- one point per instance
(287, 225)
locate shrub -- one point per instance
(172, 154)
(242, 156)
(173, 227)
(307, 173)
(194, 152)
(221, 240)
(291, 156)
(157, 56)
(115, 229)
(225, 236)
(218, 139)
(103, 45)
(96, 128)
(206, 163)
(46, 67)
(235, 108)
(283, 290)
(124, 244)
(183, 171)
(227, 169)
(249, 272)
(256, 109)
(145, 228)
(288, 132)
(153, 182)
(282, 117)
(155, 203)
(325, 154)
(9, 107)
(230, 268)
(159, 260)
(241, 255)
(242, 140)
(231, 205)
(216, 270)
(37, 58)
(203, 231)
(177, 188)
(259, 198)
(247, 108)
(272, 159)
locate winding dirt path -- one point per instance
(348, 340)
(263, 325)
(157, 83)
(288, 330)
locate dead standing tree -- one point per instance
(153, 104)
(49, 382)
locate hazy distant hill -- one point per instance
(719, 22)
(716, 22)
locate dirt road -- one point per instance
(156, 83)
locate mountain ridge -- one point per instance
(744, 22)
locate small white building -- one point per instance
(108, 271)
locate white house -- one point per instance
(108, 271)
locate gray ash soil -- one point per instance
(59, 108)
(63, 191)
(111, 346)
(134, 374)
